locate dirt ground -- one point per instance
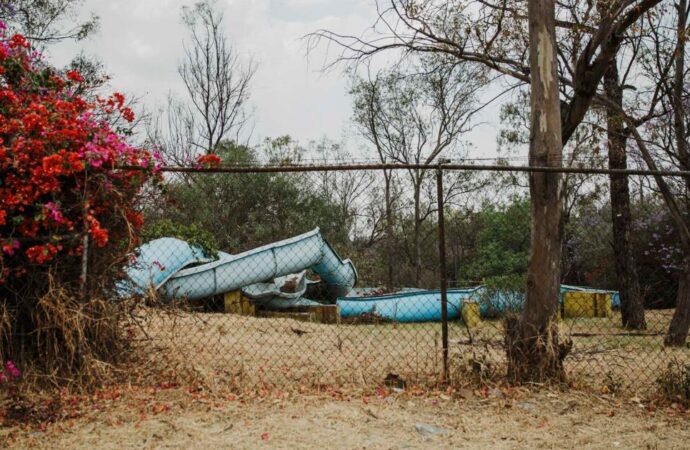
(380, 419)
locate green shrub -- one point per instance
(193, 233)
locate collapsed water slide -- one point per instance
(408, 305)
(425, 306)
(274, 275)
(184, 272)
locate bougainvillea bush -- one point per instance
(63, 193)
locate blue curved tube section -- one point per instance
(230, 272)
(499, 303)
(416, 306)
(157, 261)
(425, 306)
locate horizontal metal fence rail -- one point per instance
(449, 167)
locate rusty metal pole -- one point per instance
(379, 166)
(442, 270)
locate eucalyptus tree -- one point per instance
(663, 143)
(521, 44)
(371, 121)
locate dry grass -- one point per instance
(231, 349)
(249, 350)
(603, 354)
(61, 340)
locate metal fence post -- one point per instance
(83, 288)
(442, 270)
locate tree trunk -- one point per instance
(632, 306)
(678, 329)
(532, 342)
(680, 323)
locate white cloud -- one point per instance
(140, 42)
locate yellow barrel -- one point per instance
(604, 304)
(470, 313)
(587, 304)
(236, 303)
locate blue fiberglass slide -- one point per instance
(414, 306)
(425, 306)
(178, 270)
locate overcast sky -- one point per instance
(140, 43)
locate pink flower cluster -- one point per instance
(10, 372)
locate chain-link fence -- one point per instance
(366, 275)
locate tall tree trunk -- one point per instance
(390, 244)
(678, 329)
(680, 112)
(680, 323)
(632, 306)
(532, 342)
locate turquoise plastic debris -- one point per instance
(282, 293)
(156, 262)
(412, 305)
(415, 306)
(166, 265)
(306, 251)
(278, 288)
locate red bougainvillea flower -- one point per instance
(75, 76)
(59, 165)
(10, 246)
(208, 161)
(41, 254)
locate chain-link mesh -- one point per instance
(333, 277)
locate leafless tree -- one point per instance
(172, 130)
(494, 34)
(371, 121)
(348, 189)
(217, 80)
